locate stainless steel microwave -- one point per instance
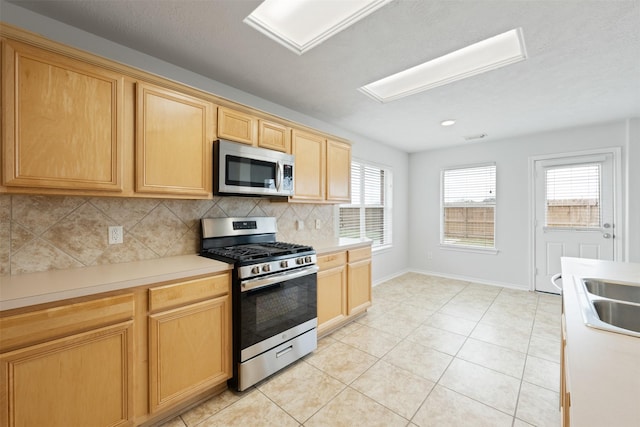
(251, 171)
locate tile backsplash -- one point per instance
(40, 233)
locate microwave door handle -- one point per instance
(279, 177)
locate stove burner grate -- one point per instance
(258, 250)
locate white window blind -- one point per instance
(468, 206)
(573, 196)
(369, 213)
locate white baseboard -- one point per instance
(466, 279)
(393, 276)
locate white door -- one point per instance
(574, 200)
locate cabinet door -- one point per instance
(237, 126)
(189, 351)
(174, 135)
(309, 170)
(332, 297)
(62, 121)
(274, 136)
(359, 281)
(81, 380)
(338, 171)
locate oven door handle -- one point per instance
(262, 282)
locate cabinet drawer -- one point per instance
(36, 326)
(332, 260)
(358, 254)
(176, 294)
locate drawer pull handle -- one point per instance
(283, 352)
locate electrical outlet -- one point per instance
(115, 234)
(429, 255)
(318, 224)
(300, 224)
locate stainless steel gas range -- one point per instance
(273, 293)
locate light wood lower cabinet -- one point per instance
(359, 279)
(121, 359)
(189, 346)
(332, 291)
(69, 378)
(344, 287)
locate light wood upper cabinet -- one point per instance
(237, 126)
(248, 129)
(309, 171)
(274, 136)
(174, 136)
(62, 121)
(338, 171)
(322, 168)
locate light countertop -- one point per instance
(49, 286)
(56, 285)
(341, 244)
(603, 367)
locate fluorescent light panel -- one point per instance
(495, 52)
(300, 25)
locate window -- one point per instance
(369, 213)
(468, 206)
(573, 196)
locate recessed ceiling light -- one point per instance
(449, 122)
(495, 52)
(303, 24)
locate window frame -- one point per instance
(468, 247)
(387, 206)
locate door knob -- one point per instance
(606, 235)
(606, 225)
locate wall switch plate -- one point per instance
(300, 225)
(115, 234)
(318, 224)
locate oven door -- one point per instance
(274, 309)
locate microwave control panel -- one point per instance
(287, 178)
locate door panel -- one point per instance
(574, 211)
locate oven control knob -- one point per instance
(266, 268)
(284, 264)
(255, 270)
(307, 259)
(299, 261)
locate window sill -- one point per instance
(381, 249)
(473, 249)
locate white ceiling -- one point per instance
(583, 65)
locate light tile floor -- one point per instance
(429, 352)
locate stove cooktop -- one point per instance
(257, 251)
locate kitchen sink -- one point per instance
(616, 291)
(619, 314)
(610, 306)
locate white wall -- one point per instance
(385, 264)
(511, 266)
